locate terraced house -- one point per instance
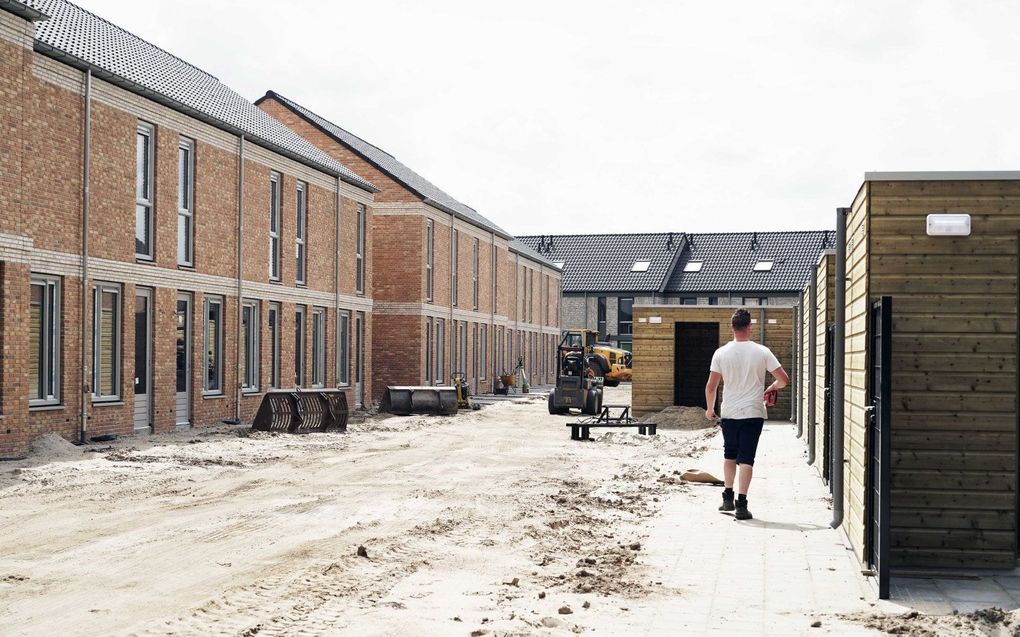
(168, 251)
(453, 292)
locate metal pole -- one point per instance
(85, 209)
(838, 371)
(812, 366)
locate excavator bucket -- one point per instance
(302, 411)
(404, 400)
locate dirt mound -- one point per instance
(52, 447)
(986, 621)
(686, 418)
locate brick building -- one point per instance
(452, 290)
(128, 299)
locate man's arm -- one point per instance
(782, 380)
(710, 390)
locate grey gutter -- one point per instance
(944, 175)
(128, 85)
(23, 11)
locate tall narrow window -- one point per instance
(455, 256)
(474, 275)
(495, 275)
(106, 318)
(484, 342)
(343, 348)
(301, 233)
(462, 344)
(213, 345)
(454, 352)
(186, 202)
(274, 345)
(318, 347)
(250, 346)
(430, 244)
(44, 341)
(440, 349)
(428, 350)
(360, 252)
(531, 296)
(274, 226)
(143, 190)
(524, 293)
(299, 346)
(474, 350)
(602, 317)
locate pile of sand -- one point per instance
(986, 621)
(52, 447)
(686, 418)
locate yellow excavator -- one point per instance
(611, 363)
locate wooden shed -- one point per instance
(673, 347)
(931, 432)
(815, 370)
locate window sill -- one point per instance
(275, 282)
(144, 259)
(34, 408)
(213, 396)
(188, 268)
(245, 393)
(107, 403)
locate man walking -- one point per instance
(741, 365)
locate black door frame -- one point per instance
(879, 439)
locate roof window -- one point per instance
(763, 266)
(640, 266)
(693, 266)
(558, 264)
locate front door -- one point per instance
(359, 359)
(879, 441)
(143, 359)
(695, 343)
(183, 360)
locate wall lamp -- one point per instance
(949, 225)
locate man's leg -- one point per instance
(729, 469)
(731, 440)
(746, 473)
(750, 432)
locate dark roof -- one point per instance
(605, 262)
(728, 261)
(522, 249)
(21, 10)
(82, 39)
(389, 165)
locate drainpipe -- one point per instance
(838, 371)
(812, 366)
(491, 358)
(336, 284)
(86, 390)
(454, 360)
(798, 311)
(240, 277)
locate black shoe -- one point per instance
(727, 502)
(741, 510)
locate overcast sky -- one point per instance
(557, 117)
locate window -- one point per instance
(250, 346)
(462, 343)
(360, 252)
(454, 265)
(274, 226)
(752, 300)
(474, 350)
(440, 349)
(690, 301)
(44, 340)
(343, 348)
(602, 317)
(274, 345)
(318, 347)
(531, 296)
(763, 266)
(713, 300)
(495, 274)
(428, 350)
(640, 266)
(454, 334)
(693, 266)
(106, 342)
(186, 202)
(559, 264)
(626, 316)
(484, 340)
(474, 276)
(430, 244)
(301, 233)
(213, 345)
(299, 346)
(143, 190)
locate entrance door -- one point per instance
(879, 471)
(359, 359)
(695, 343)
(143, 359)
(183, 360)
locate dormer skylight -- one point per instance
(693, 266)
(640, 266)
(763, 266)
(558, 264)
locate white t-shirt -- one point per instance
(743, 365)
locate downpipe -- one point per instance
(86, 389)
(838, 369)
(240, 282)
(812, 366)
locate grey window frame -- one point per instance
(360, 249)
(454, 258)
(483, 340)
(462, 347)
(186, 202)
(343, 348)
(300, 345)
(601, 314)
(440, 351)
(99, 288)
(318, 347)
(620, 322)
(474, 274)
(430, 247)
(250, 347)
(144, 192)
(274, 343)
(429, 344)
(49, 341)
(301, 234)
(275, 225)
(216, 346)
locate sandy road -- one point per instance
(220, 532)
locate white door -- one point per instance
(143, 359)
(183, 360)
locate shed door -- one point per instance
(879, 440)
(827, 406)
(693, 348)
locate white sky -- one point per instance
(557, 117)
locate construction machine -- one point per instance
(611, 363)
(577, 385)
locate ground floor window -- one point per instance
(440, 349)
(462, 348)
(44, 340)
(274, 345)
(318, 347)
(213, 345)
(343, 348)
(299, 346)
(484, 341)
(250, 346)
(106, 359)
(428, 350)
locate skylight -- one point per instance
(763, 266)
(558, 264)
(640, 266)
(693, 266)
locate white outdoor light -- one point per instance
(949, 225)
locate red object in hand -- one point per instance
(771, 397)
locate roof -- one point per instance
(83, 40)
(390, 165)
(21, 10)
(606, 262)
(519, 247)
(728, 261)
(944, 175)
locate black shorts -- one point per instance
(740, 438)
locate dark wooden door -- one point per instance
(879, 471)
(694, 345)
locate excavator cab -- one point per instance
(577, 384)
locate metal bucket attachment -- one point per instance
(407, 400)
(337, 402)
(277, 412)
(302, 411)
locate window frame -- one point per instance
(318, 347)
(49, 340)
(601, 316)
(186, 203)
(274, 343)
(483, 340)
(360, 249)
(300, 344)
(619, 314)
(429, 343)
(694, 266)
(343, 349)
(275, 225)
(474, 274)
(440, 375)
(144, 200)
(98, 289)
(430, 255)
(250, 352)
(217, 347)
(301, 234)
(454, 258)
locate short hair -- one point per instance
(741, 319)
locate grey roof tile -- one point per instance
(522, 249)
(82, 39)
(390, 165)
(604, 262)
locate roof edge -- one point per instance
(944, 175)
(23, 10)
(681, 246)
